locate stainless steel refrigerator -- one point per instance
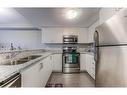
(111, 51)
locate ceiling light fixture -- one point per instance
(71, 14)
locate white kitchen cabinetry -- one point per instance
(83, 35)
(91, 31)
(38, 74)
(55, 35)
(57, 62)
(90, 65)
(52, 35)
(82, 62)
(80, 32)
(106, 13)
(46, 70)
(70, 31)
(31, 77)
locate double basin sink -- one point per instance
(23, 60)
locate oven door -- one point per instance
(70, 60)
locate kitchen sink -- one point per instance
(15, 62)
(33, 57)
(23, 60)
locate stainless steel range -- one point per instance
(70, 56)
(71, 60)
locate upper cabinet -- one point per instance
(52, 35)
(106, 13)
(83, 35)
(55, 35)
(80, 32)
(70, 31)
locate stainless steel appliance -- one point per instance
(70, 39)
(111, 51)
(13, 81)
(71, 60)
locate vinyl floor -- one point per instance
(72, 80)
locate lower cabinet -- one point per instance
(38, 74)
(57, 62)
(31, 76)
(82, 62)
(87, 64)
(45, 71)
(90, 65)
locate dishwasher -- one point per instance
(13, 81)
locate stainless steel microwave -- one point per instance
(70, 39)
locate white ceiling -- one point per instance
(50, 17)
(11, 18)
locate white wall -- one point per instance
(28, 39)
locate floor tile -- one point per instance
(72, 80)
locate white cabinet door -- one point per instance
(46, 70)
(82, 35)
(55, 35)
(38, 74)
(57, 62)
(70, 31)
(43, 73)
(88, 62)
(91, 31)
(48, 67)
(82, 62)
(52, 35)
(30, 76)
(80, 32)
(91, 69)
(90, 65)
(50, 64)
